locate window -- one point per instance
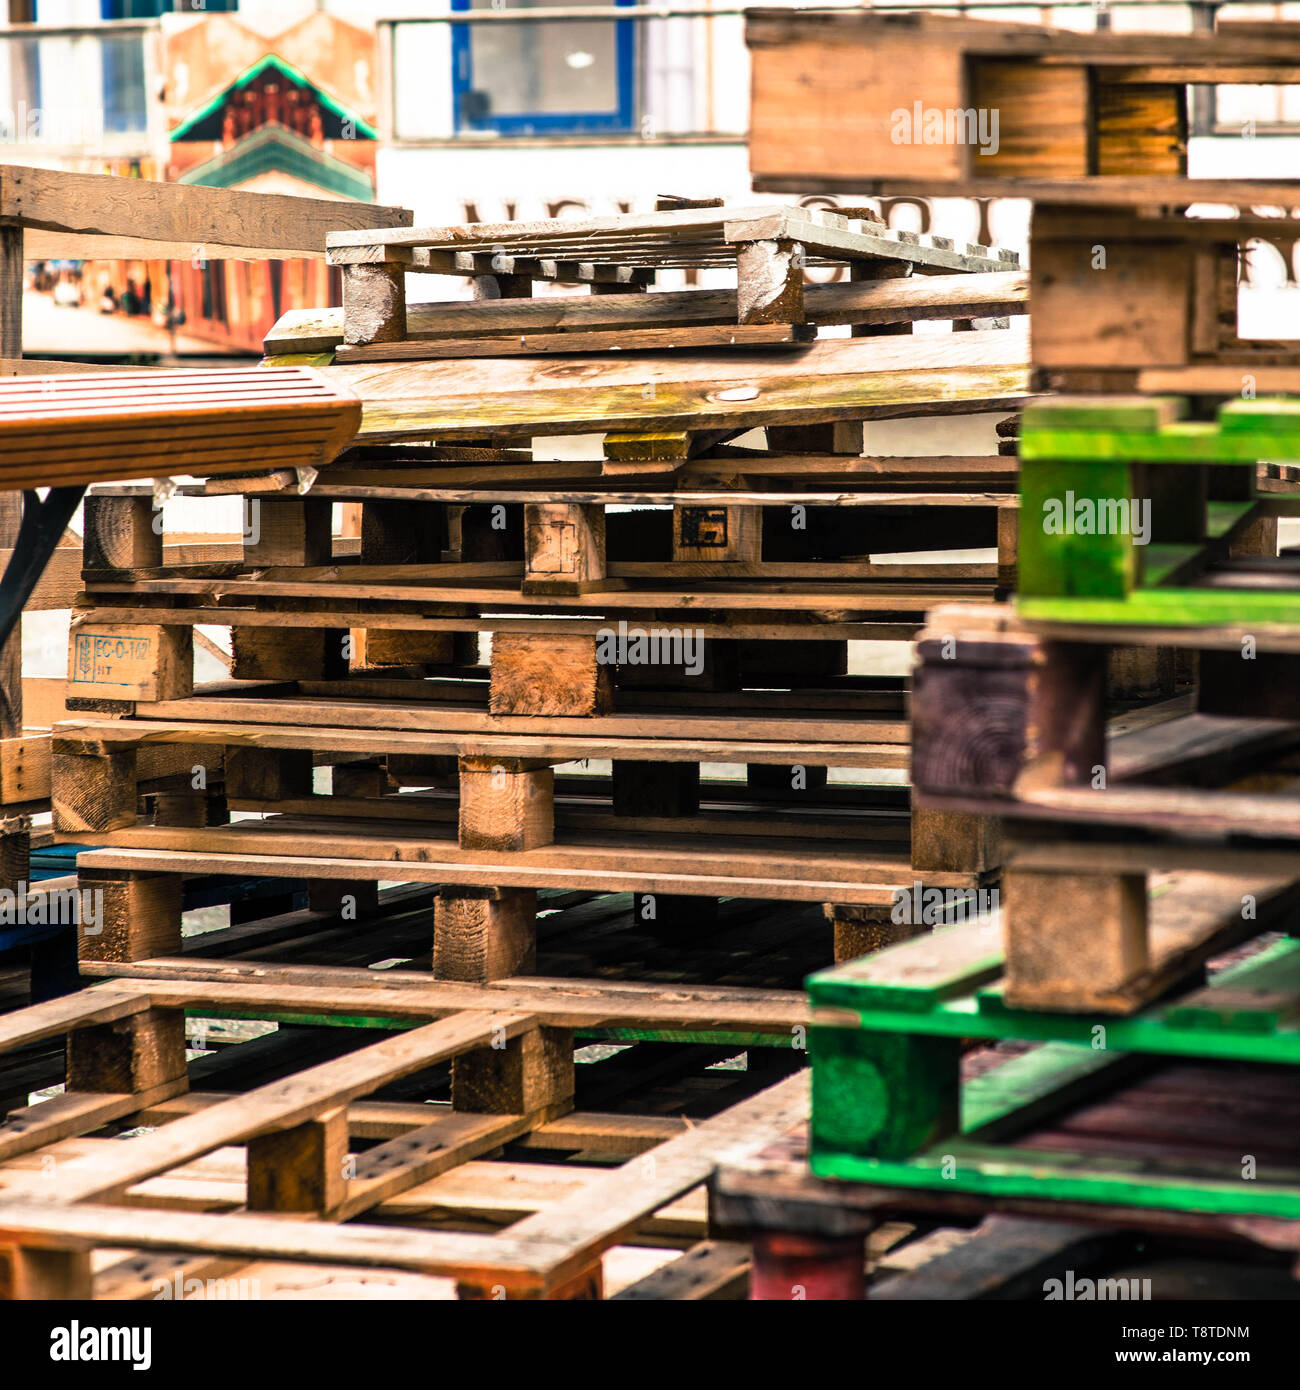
(122, 67)
(531, 77)
(1257, 110)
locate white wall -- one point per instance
(458, 183)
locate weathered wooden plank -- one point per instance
(99, 216)
(858, 378)
(982, 294)
(826, 877)
(279, 1106)
(181, 982)
(515, 1264)
(670, 737)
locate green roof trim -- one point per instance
(275, 150)
(364, 129)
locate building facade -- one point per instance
(475, 110)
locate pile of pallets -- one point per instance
(681, 601)
(679, 608)
(1139, 1093)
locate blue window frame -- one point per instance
(123, 58)
(512, 65)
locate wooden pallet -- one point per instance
(825, 1239)
(723, 563)
(674, 318)
(302, 926)
(1212, 553)
(512, 1083)
(756, 542)
(486, 816)
(889, 1107)
(1010, 721)
(688, 361)
(1103, 120)
(769, 248)
(624, 1103)
(1155, 310)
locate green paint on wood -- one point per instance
(1132, 431)
(1234, 608)
(980, 1011)
(1145, 413)
(915, 975)
(1076, 529)
(1027, 1086)
(711, 1037)
(993, 1171)
(883, 1094)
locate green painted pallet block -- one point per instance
(888, 1107)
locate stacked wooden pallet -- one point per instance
(1132, 859)
(365, 658)
(681, 600)
(171, 1210)
(637, 1046)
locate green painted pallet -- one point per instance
(1088, 498)
(889, 1107)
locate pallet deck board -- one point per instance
(834, 379)
(991, 294)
